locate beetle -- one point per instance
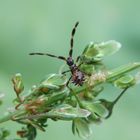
(77, 76)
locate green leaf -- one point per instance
(4, 133)
(96, 51)
(96, 108)
(35, 125)
(107, 48)
(82, 127)
(67, 112)
(31, 132)
(87, 68)
(18, 84)
(53, 81)
(58, 95)
(125, 81)
(94, 119)
(110, 105)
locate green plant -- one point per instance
(53, 99)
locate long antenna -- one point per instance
(72, 40)
(51, 55)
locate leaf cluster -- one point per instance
(53, 99)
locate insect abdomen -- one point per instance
(78, 77)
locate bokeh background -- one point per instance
(45, 25)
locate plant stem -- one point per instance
(122, 70)
(117, 99)
(10, 116)
(112, 75)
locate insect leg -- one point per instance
(80, 64)
(65, 71)
(77, 59)
(68, 81)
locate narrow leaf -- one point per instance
(67, 112)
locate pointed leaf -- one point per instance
(82, 127)
(96, 51)
(53, 81)
(96, 108)
(87, 68)
(107, 48)
(109, 105)
(67, 112)
(58, 95)
(18, 84)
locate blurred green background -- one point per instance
(45, 26)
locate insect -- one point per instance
(77, 76)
